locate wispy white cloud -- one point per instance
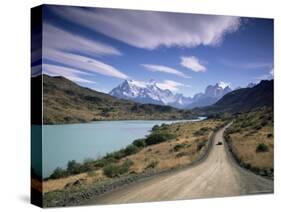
(171, 85)
(246, 65)
(164, 69)
(148, 29)
(193, 64)
(69, 49)
(69, 73)
(83, 63)
(60, 39)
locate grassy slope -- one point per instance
(66, 102)
(248, 131)
(188, 145)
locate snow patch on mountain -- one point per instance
(150, 92)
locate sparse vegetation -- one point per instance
(201, 144)
(131, 149)
(262, 148)
(181, 154)
(152, 164)
(177, 147)
(115, 170)
(140, 143)
(251, 134)
(202, 131)
(167, 147)
(156, 138)
(59, 173)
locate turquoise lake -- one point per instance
(61, 143)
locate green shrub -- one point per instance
(156, 138)
(59, 173)
(131, 149)
(111, 170)
(115, 170)
(139, 143)
(104, 162)
(73, 167)
(87, 165)
(262, 148)
(202, 131)
(177, 147)
(116, 155)
(155, 128)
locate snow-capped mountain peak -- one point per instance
(223, 85)
(147, 92)
(150, 92)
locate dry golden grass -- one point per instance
(161, 156)
(58, 184)
(164, 154)
(245, 144)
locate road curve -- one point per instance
(217, 176)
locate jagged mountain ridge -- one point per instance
(150, 92)
(244, 99)
(67, 102)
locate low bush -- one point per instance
(139, 143)
(131, 149)
(104, 161)
(59, 173)
(115, 170)
(155, 128)
(156, 138)
(202, 131)
(73, 167)
(177, 147)
(88, 165)
(262, 148)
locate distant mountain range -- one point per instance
(66, 102)
(244, 99)
(149, 92)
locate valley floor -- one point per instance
(162, 171)
(217, 176)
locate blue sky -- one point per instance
(100, 48)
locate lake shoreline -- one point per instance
(80, 196)
(88, 136)
(193, 117)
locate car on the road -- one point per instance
(219, 143)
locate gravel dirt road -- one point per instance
(216, 176)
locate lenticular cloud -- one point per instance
(149, 30)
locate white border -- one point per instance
(15, 102)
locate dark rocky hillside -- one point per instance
(244, 99)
